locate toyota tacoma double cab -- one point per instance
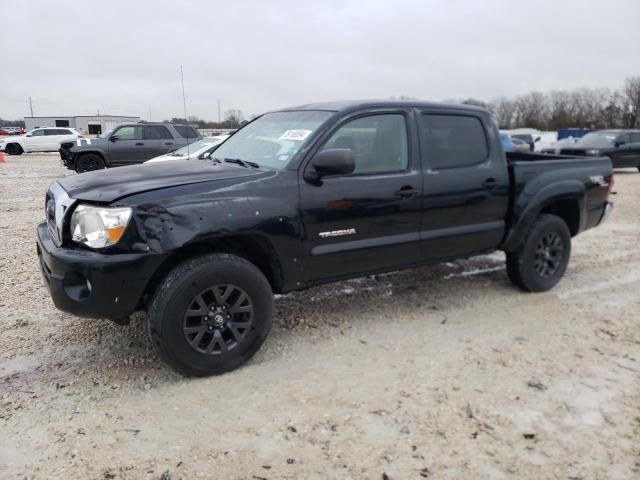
(126, 145)
(301, 197)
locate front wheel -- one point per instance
(89, 162)
(13, 149)
(540, 262)
(210, 314)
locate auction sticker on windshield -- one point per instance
(298, 135)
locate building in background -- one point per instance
(88, 124)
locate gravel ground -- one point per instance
(440, 372)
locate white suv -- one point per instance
(44, 139)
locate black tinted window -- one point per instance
(454, 141)
(378, 142)
(57, 131)
(623, 139)
(635, 138)
(156, 132)
(129, 133)
(186, 132)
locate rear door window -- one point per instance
(37, 133)
(156, 132)
(453, 141)
(186, 131)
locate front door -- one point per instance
(368, 220)
(466, 185)
(36, 141)
(126, 145)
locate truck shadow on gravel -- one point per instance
(114, 356)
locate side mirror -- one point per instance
(332, 161)
(113, 138)
(536, 140)
(619, 143)
(29, 135)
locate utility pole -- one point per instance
(30, 105)
(219, 117)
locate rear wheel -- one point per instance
(13, 149)
(540, 262)
(89, 162)
(210, 314)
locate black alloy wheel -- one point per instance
(549, 255)
(218, 319)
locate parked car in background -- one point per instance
(529, 139)
(520, 145)
(557, 147)
(507, 143)
(4, 132)
(621, 146)
(43, 139)
(127, 144)
(14, 130)
(301, 197)
(193, 150)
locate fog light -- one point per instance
(76, 286)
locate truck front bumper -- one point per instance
(93, 284)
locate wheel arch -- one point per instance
(255, 248)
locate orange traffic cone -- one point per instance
(1, 157)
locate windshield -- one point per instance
(597, 138)
(105, 134)
(273, 139)
(195, 147)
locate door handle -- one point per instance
(407, 192)
(489, 183)
(168, 143)
(139, 143)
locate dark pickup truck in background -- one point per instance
(621, 146)
(301, 197)
(126, 145)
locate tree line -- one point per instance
(593, 108)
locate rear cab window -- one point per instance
(453, 140)
(186, 132)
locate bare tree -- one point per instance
(233, 117)
(631, 102)
(504, 111)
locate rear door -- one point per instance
(157, 141)
(126, 145)
(368, 220)
(466, 184)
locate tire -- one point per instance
(89, 162)
(539, 263)
(182, 337)
(13, 149)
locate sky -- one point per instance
(124, 57)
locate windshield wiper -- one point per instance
(239, 161)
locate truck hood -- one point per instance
(106, 186)
(88, 142)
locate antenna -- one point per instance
(184, 105)
(219, 118)
(30, 105)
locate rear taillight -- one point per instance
(80, 136)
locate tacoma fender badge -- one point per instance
(338, 233)
(599, 180)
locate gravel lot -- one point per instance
(440, 372)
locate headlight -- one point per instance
(99, 227)
(594, 153)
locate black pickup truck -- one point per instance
(300, 197)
